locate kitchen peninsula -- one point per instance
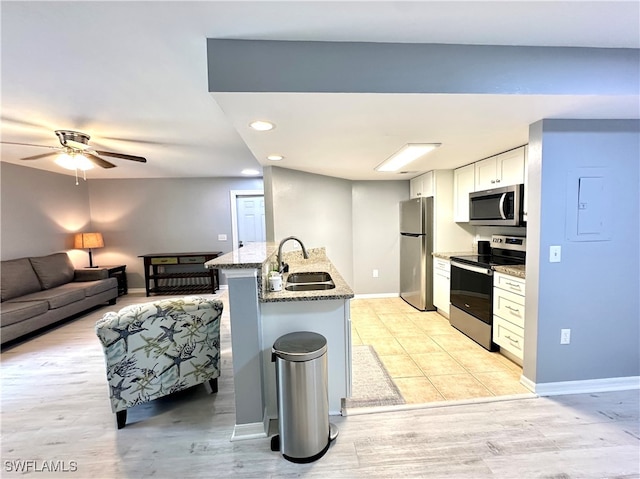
(259, 317)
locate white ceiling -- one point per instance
(133, 75)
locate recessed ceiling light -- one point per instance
(250, 172)
(275, 157)
(406, 154)
(261, 125)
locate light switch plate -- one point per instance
(554, 254)
(222, 237)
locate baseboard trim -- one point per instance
(376, 295)
(254, 430)
(582, 387)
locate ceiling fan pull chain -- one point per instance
(76, 176)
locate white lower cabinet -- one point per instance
(441, 285)
(508, 315)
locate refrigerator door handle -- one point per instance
(413, 235)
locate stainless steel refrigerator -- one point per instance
(416, 246)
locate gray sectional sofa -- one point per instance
(39, 291)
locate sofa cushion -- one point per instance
(90, 288)
(17, 278)
(56, 297)
(53, 270)
(13, 312)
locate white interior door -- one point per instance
(250, 219)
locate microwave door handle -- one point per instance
(501, 206)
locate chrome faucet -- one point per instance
(283, 267)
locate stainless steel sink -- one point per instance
(309, 286)
(308, 281)
(308, 277)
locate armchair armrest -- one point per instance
(90, 274)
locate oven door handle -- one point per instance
(475, 269)
(501, 206)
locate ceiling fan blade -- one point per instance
(121, 156)
(20, 122)
(131, 140)
(28, 144)
(98, 161)
(37, 157)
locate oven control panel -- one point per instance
(518, 243)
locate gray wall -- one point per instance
(376, 239)
(40, 212)
(356, 221)
(367, 67)
(142, 216)
(594, 290)
(314, 208)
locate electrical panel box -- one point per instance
(588, 205)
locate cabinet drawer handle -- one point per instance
(497, 181)
(513, 285)
(493, 182)
(512, 309)
(514, 341)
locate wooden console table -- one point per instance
(160, 279)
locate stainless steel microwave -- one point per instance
(497, 206)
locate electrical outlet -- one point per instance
(222, 237)
(375, 273)
(565, 336)
(554, 254)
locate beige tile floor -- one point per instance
(427, 358)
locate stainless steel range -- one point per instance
(472, 287)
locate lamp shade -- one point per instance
(88, 240)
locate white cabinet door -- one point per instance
(421, 185)
(501, 170)
(463, 184)
(525, 204)
(415, 187)
(427, 184)
(510, 167)
(485, 174)
(441, 285)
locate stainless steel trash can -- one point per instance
(303, 397)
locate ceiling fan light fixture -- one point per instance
(262, 125)
(408, 153)
(73, 139)
(275, 157)
(73, 162)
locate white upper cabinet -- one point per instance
(525, 204)
(463, 184)
(421, 185)
(501, 170)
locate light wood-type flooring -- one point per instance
(55, 413)
(427, 358)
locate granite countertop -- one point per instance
(261, 255)
(317, 262)
(448, 256)
(252, 255)
(514, 270)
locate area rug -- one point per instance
(371, 385)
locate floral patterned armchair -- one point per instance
(158, 348)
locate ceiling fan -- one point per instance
(79, 155)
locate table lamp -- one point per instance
(88, 241)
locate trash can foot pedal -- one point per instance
(275, 443)
(333, 432)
